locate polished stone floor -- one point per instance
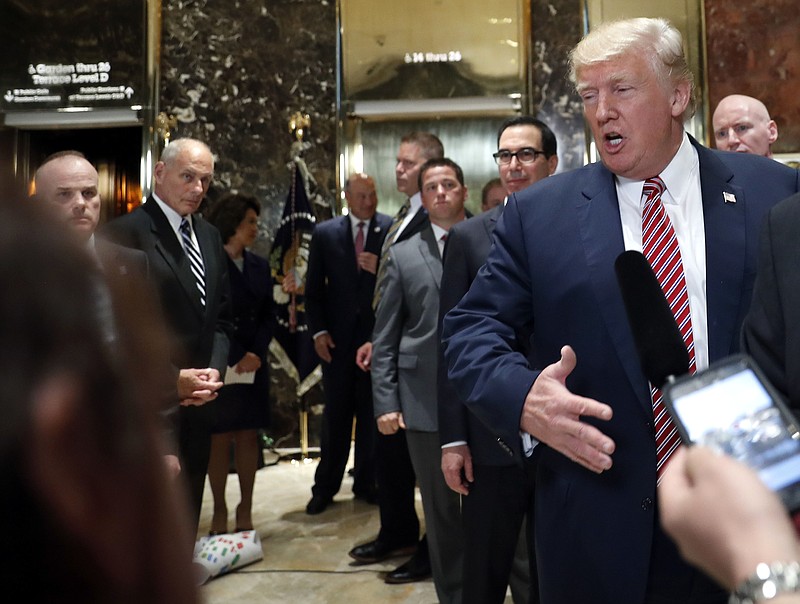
(305, 557)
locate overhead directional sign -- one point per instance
(55, 55)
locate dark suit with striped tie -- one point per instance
(200, 330)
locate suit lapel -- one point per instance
(724, 224)
(414, 225)
(601, 233)
(491, 222)
(430, 253)
(167, 244)
(373, 236)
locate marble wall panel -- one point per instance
(556, 27)
(753, 49)
(232, 73)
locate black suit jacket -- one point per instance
(467, 247)
(120, 261)
(771, 332)
(128, 270)
(338, 295)
(201, 332)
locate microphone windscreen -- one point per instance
(662, 351)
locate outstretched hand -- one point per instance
(553, 415)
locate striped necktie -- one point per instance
(660, 247)
(195, 259)
(391, 235)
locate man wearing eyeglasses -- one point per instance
(526, 152)
(494, 499)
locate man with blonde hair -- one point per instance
(579, 415)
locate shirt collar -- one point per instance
(354, 222)
(684, 162)
(415, 202)
(172, 216)
(438, 231)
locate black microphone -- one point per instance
(662, 351)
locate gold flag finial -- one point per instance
(164, 126)
(299, 123)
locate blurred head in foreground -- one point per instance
(88, 511)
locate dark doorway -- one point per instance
(115, 152)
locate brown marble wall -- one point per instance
(753, 49)
(233, 73)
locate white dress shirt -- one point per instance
(683, 203)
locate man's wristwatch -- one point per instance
(768, 582)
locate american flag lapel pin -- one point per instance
(728, 197)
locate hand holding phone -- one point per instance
(732, 408)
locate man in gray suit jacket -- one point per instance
(404, 364)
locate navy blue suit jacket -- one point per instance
(338, 295)
(553, 264)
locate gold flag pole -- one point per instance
(299, 123)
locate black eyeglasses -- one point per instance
(526, 155)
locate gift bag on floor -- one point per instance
(221, 554)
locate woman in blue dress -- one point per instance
(243, 404)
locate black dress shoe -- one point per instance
(377, 551)
(318, 504)
(416, 569)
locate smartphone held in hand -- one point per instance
(732, 408)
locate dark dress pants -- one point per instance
(396, 491)
(493, 515)
(348, 394)
(194, 450)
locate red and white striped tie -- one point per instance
(660, 247)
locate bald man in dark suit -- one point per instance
(196, 310)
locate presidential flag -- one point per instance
(292, 344)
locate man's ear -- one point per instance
(552, 164)
(158, 171)
(773, 131)
(681, 96)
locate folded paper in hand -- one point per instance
(231, 377)
(222, 554)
